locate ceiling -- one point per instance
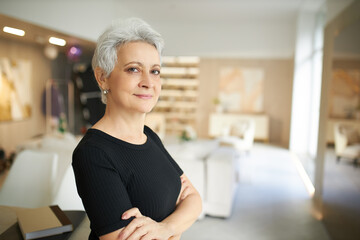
(208, 11)
(190, 27)
(193, 12)
(36, 34)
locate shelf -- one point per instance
(179, 95)
(176, 104)
(189, 72)
(188, 61)
(181, 116)
(179, 82)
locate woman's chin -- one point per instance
(146, 109)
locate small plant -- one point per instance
(216, 101)
(188, 134)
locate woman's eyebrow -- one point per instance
(140, 64)
(133, 62)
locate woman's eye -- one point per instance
(135, 70)
(156, 72)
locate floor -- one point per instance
(271, 203)
(341, 198)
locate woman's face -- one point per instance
(135, 81)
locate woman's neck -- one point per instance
(128, 127)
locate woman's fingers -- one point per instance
(132, 212)
(183, 179)
(185, 193)
(138, 233)
(137, 228)
(145, 228)
(185, 189)
(131, 228)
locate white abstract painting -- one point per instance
(241, 89)
(15, 89)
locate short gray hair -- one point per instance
(119, 33)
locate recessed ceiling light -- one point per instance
(57, 41)
(14, 31)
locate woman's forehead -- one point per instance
(138, 51)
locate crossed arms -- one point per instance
(188, 208)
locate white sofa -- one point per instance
(221, 181)
(203, 161)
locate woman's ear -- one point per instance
(100, 77)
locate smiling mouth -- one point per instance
(144, 96)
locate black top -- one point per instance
(113, 176)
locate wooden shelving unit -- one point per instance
(179, 96)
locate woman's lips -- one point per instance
(143, 96)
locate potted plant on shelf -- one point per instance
(188, 134)
(218, 105)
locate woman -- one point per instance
(130, 186)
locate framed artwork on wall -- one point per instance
(241, 90)
(345, 93)
(15, 89)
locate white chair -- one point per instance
(67, 197)
(63, 187)
(63, 145)
(30, 180)
(347, 143)
(239, 135)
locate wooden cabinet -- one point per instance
(219, 121)
(179, 96)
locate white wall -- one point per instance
(248, 38)
(255, 39)
(307, 88)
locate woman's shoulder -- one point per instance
(150, 133)
(90, 144)
(89, 138)
(148, 130)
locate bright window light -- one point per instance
(57, 41)
(14, 31)
(303, 175)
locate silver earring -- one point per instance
(105, 91)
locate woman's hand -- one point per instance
(143, 228)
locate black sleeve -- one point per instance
(158, 142)
(101, 189)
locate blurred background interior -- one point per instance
(262, 93)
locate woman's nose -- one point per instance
(146, 81)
